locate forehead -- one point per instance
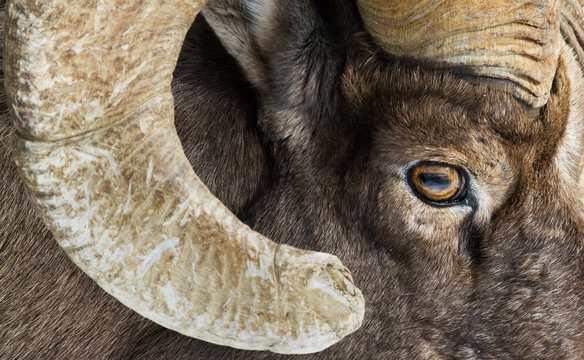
(429, 101)
(437, 108)
(429, 98)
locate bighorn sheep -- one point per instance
(435, 147)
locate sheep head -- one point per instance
(101, 161)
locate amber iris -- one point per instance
(437, 182)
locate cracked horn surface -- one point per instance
(88, 86)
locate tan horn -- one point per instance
(513, 43)
(88, 84)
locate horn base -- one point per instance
(515, 42)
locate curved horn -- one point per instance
(88, 83)
(515, 43)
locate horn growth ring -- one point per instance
(88, 84)
(514, 43)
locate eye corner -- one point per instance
(439, 184)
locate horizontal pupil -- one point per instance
(436, 182)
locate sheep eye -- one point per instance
(436, 183)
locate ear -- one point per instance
(291, 51)
(270, 36)
(245, 29)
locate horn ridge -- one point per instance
(477, 37)
(88, 85)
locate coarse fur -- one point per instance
(306, 132)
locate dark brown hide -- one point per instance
(305, 135)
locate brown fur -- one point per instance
(305, 136)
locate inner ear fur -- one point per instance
(243, 28)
